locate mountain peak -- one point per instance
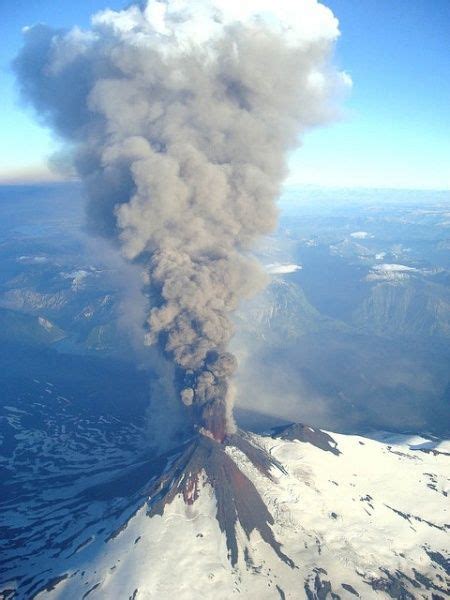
(206, 461)
(297, 513)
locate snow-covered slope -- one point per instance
(355, 517)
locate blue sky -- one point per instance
(396, 128)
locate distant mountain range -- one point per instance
(353, 329)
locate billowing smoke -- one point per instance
(178, 116)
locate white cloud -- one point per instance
(360, 235)
(200, 20)
(278, 269)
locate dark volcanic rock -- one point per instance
(260, 459)
(322, 589)
(304, 433)
(237, 498)
(349, 588)
(440, 559)
(393, 585)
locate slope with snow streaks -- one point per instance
(371, 521)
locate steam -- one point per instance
(178, 117)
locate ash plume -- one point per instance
(178, 117)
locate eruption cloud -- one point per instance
(178, 116)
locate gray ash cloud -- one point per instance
(178, 117)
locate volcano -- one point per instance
(295, 513)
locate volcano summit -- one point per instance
(297, 513)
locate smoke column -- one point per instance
(178, 117)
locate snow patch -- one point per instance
(391, 272)
(78, 278)
(393, 268)
(47, 325)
